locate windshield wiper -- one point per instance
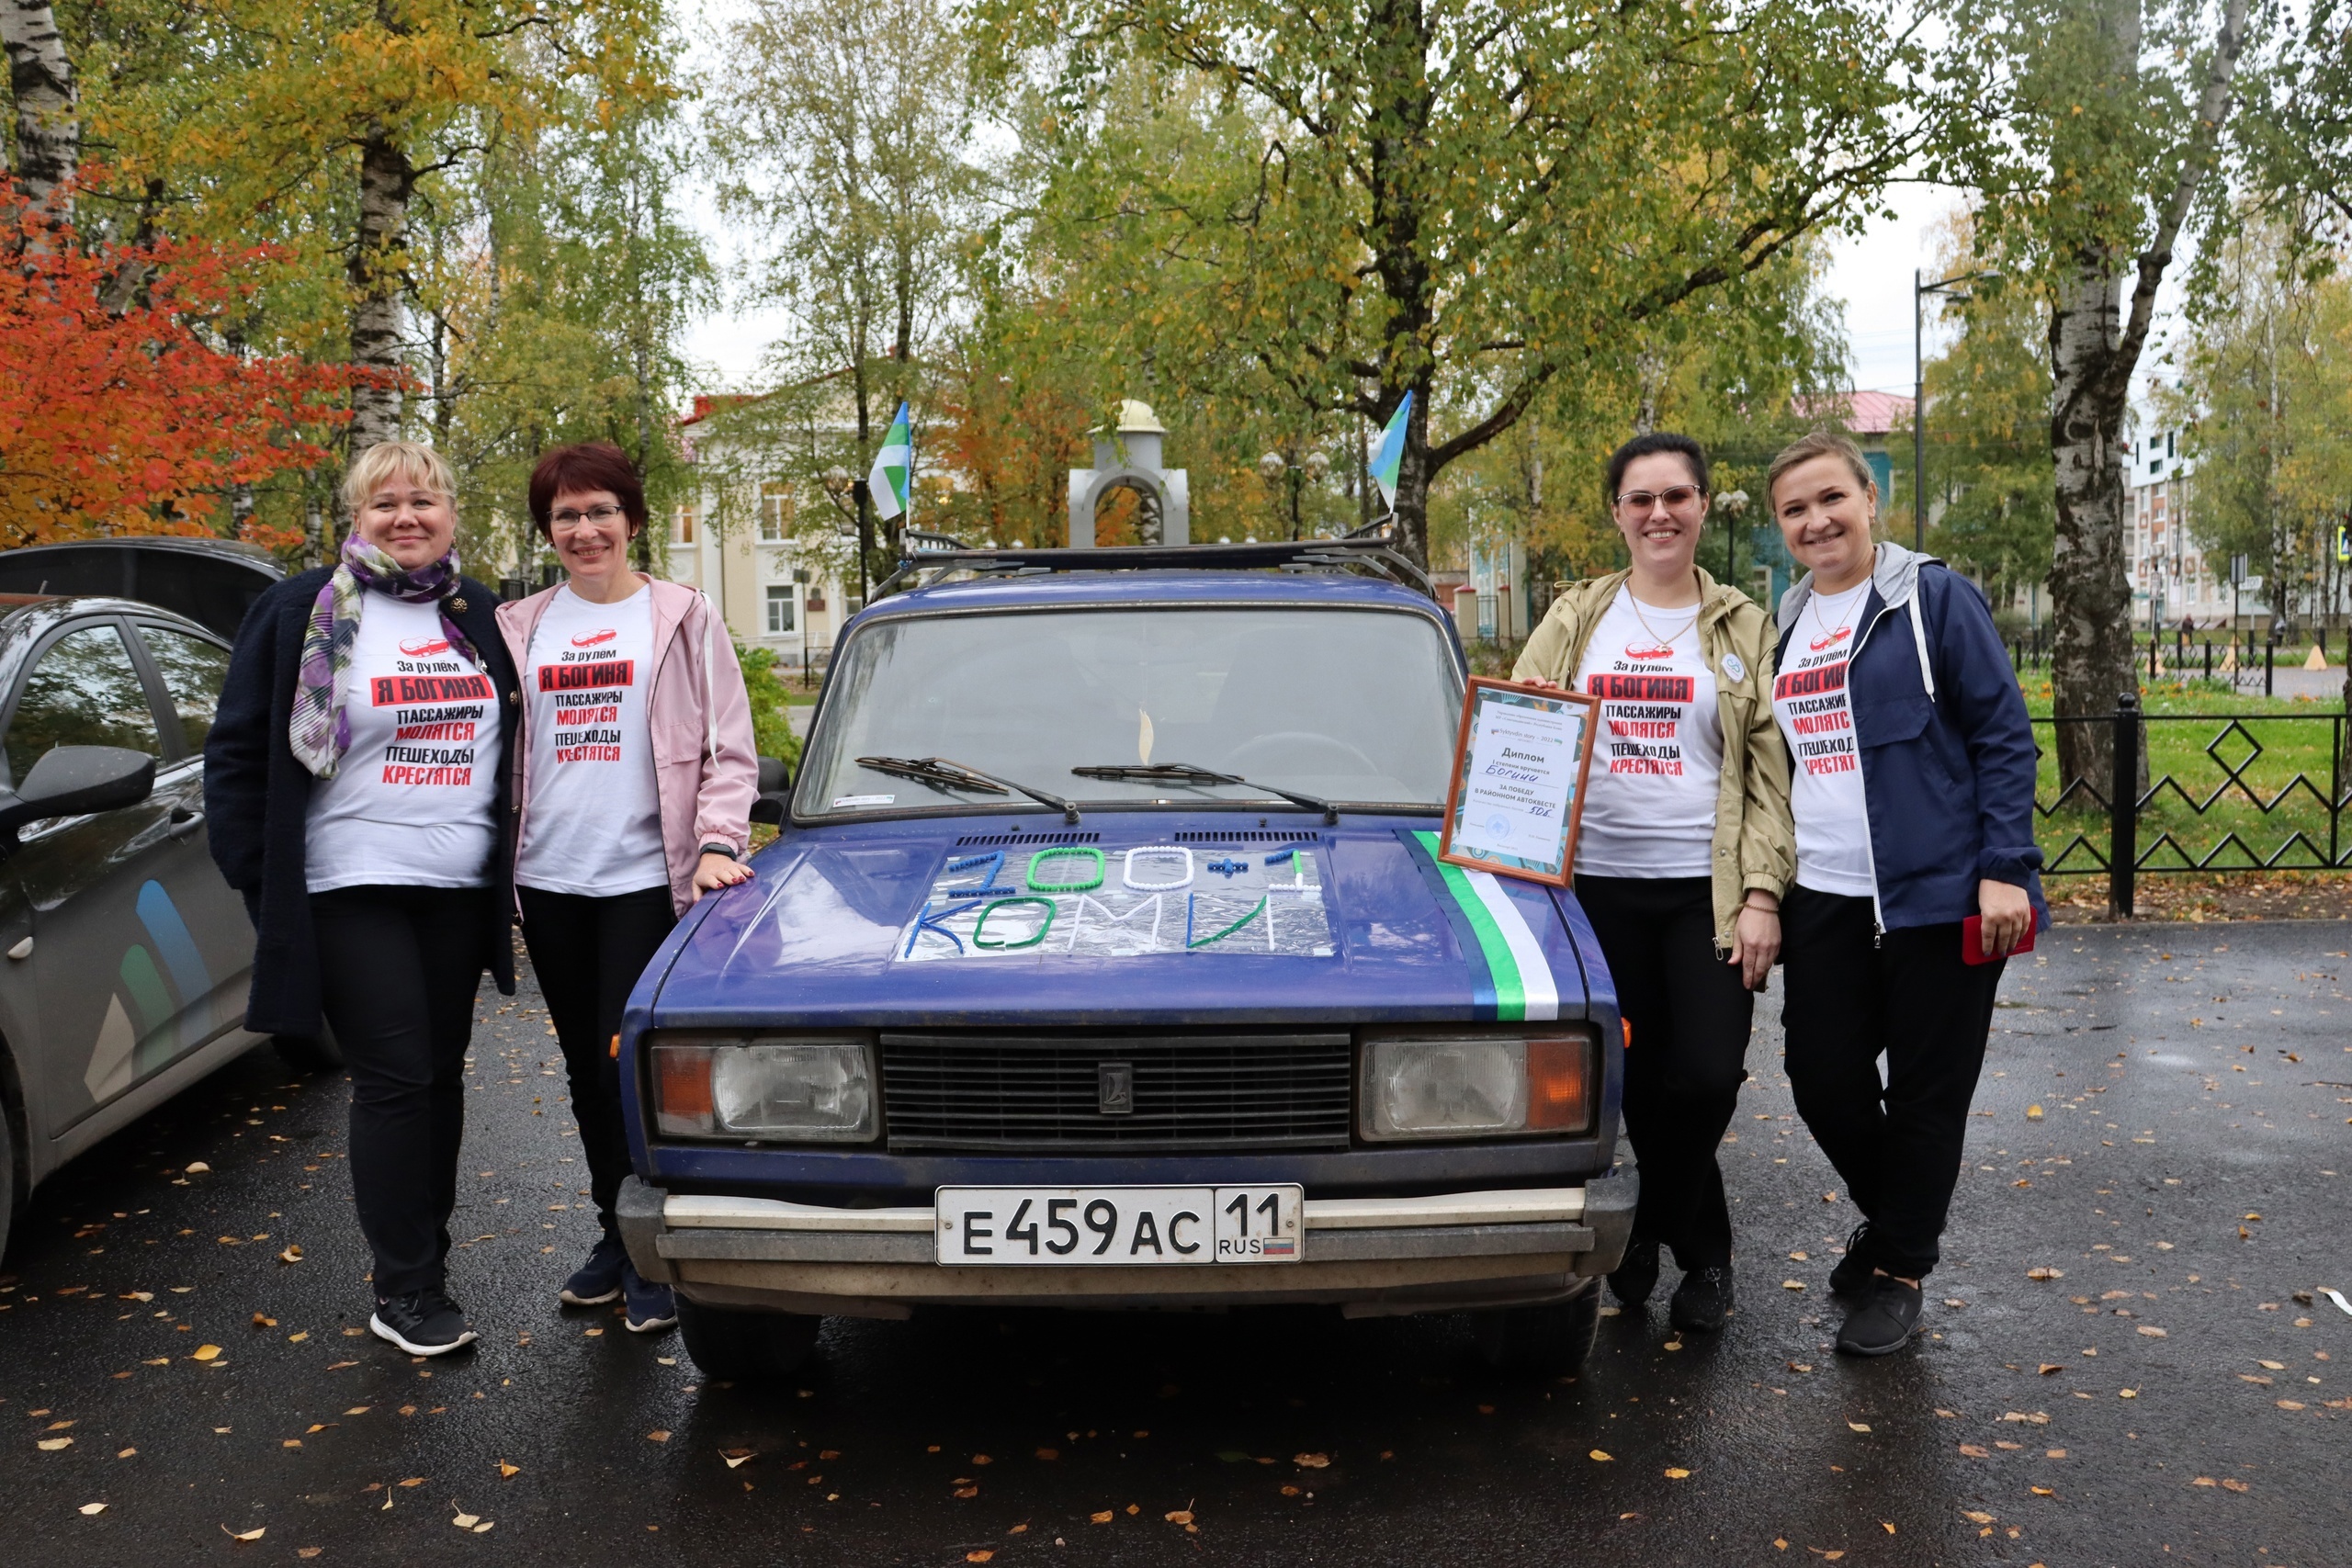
(1186, 773)
(956, 775)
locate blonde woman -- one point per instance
(1913, 807)
(356, 797)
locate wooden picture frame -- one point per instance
(1483, 855)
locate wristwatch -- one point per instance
(715, 849)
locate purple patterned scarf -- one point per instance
(320, 732)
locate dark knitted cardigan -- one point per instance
(257, 796)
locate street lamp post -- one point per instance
(1920, 289)
(1274, 468)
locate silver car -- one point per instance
(128, 956)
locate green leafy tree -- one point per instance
(1463, 199)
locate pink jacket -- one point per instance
(705, 769)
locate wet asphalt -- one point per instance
(2170, 1397)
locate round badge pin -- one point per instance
(1735, 666)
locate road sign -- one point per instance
(2343, 541)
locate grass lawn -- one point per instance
(2280, 749)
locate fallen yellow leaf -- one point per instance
(978, 1556)
(52, 1445)
(2033, 1114)
(1857, 1425)
(467, 1521)
(1312, 1462)
(1104, 1516)
(2045, 1273)
(2043, 1492)
(1179, 1517)
(508, 1472)
(1676, 1473)
(205, 1353)
(1601, 1455)
(251, 1534)
(657, 1436)
(93, 1507)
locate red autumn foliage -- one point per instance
(138, 420)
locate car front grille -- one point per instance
(1224, 1091)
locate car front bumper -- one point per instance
(1369, 1257)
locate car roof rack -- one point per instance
(1371, 549)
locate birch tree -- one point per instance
(2120, 110)
(49, 123)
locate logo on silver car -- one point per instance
(1114, 1088)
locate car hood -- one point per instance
(1137, 918)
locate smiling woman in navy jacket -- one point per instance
(1913, 793)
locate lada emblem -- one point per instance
(1114, 1088)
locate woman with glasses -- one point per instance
(1684, 850)
(634, 786)
(1913, 807)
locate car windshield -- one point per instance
(1355, 707)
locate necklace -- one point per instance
(1664, 642)
(1814, 604)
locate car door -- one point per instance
(188, 668)
(113, 961)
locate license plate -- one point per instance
(1122, 1227)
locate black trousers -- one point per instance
(1910, 998)
(1688, 1056)
(398, 969)
(588, 953)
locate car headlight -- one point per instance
(1476, 1086)
(789, 1091)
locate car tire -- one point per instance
(1553, 1340)
(307, 1054)
(746, 1347)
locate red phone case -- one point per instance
(1972, 941)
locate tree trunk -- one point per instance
(2090, 595)
(1397, 51)
(386, 181)
(49, 123)
(2098, 324)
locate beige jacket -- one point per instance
(1756, 840)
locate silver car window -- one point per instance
(194, 670)
(84, 692)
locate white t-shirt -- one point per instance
(592, 824)
(1649, 803)
(1809, 700)
(415, 802)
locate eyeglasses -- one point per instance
(564, 522)
(1679, 498)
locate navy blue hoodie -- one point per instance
(1948, 751)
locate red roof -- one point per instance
(1865, 413)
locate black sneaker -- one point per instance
(1882, 1323)
(1702, 1302)
(597, 1280)
(1635, 1275)
(651, 1307)
(1853, 1275)
(422, 1323)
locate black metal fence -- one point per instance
(2261, 792)
(2240, 660)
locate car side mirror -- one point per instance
(73, 781)
(775, 791)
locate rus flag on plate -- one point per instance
(892, 465)
(1391, 451)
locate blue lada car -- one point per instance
(1104, 961)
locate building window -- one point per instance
(775, 512)
(779, 609)
(683, 531)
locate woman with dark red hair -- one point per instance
(634, 786)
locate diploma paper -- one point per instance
(1519, 779)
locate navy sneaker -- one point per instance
(597, 1280)
(652, 1308)
(422, 1323)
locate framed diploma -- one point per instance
(1518, 777)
